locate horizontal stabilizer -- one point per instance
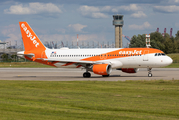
(21, 53)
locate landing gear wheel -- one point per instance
(150, 75)
(86, 75)
(105, 75)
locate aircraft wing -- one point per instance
(74, 61)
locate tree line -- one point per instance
(165, 43)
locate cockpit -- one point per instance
(160, 54)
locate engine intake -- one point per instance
(102, 69)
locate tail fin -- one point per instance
(30, 39)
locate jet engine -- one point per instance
(129, 70)
(102, 69)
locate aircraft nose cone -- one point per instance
(169, 61)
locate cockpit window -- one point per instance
(160, 54)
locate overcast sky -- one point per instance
(62, 20)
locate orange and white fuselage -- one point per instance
(117, 58)
(100, 61)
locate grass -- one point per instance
(94, 100)
(23, 65)
(173, 65)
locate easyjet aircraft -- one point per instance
(99, 61)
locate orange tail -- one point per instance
(30, 39)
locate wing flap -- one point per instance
(70, 61)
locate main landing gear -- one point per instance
(150, 72)
(87, 75)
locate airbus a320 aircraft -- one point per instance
(99, 61)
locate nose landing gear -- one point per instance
(150, 72)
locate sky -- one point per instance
(62, 20)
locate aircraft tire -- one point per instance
(150, 75)
(86, 75)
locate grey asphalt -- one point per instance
(61, 74)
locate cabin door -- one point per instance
(145, 58)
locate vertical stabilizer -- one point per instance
(30, 39)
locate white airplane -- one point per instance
(99, 61)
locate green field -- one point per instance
(93, 100)
(23, 65)
(173, 65)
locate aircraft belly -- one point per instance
(129, 62)
(64, 65)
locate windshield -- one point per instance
(160, 54)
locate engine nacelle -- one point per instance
(102, 69)
(129, 70)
